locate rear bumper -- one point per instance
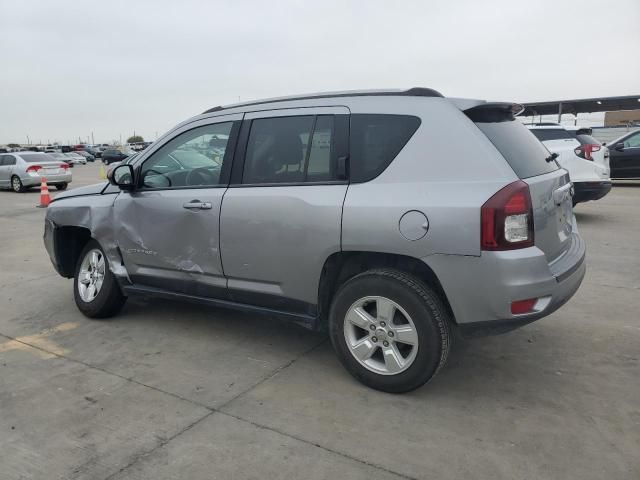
(585, 191)
(480, 289)
(34, 180)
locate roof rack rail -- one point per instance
(412, 92)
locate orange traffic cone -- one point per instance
(45, 199)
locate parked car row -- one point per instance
(586, 160)
(590, 163)
(22, 170)
(72, 158)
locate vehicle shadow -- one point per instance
(488, 367)
(626, 183)
(588, 218)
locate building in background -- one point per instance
(621, 117)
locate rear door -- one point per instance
(549, 185)
(6, 166)
(281, 215)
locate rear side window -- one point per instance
(290, 150)
(524, 153)
(375, 140)
(544, 134)
(7, 160)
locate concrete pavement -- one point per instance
(170, 390)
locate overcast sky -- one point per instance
(70, 68)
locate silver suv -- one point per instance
(392, 219)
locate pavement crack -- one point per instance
(212, 410)
(625, 287)
(314, 444)
(271, 375)
(100, 369)
(159, 445)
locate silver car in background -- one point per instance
(391, 219)
(22, 170)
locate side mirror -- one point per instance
(122, 177)
(619, 147)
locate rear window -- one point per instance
(36, 157)
(375, 140)
(544, 134)
(526, 155)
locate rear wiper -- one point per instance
(552, 157)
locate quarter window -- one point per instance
(375, 140)
(290, 150)
(191, 159)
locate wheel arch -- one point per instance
(69, 242)
(341, 266)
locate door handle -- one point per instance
(197, 205)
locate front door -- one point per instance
(281, 216)
(168, 228)
(625, 163)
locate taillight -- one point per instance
(585, 151)
(64, 166)
(34, 169)
(507, 219)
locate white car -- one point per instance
(76, 158)
(586, 159)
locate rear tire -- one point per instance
(403, 337)
(61, 186)
(16, 184)
(96, 291)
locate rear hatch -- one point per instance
(549, 185)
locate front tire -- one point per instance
(16, 184)
(96, 291)
(390, 330)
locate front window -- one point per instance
(633, 141)
(193, 158)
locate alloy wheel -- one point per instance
(91, 275)
(381, 335)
